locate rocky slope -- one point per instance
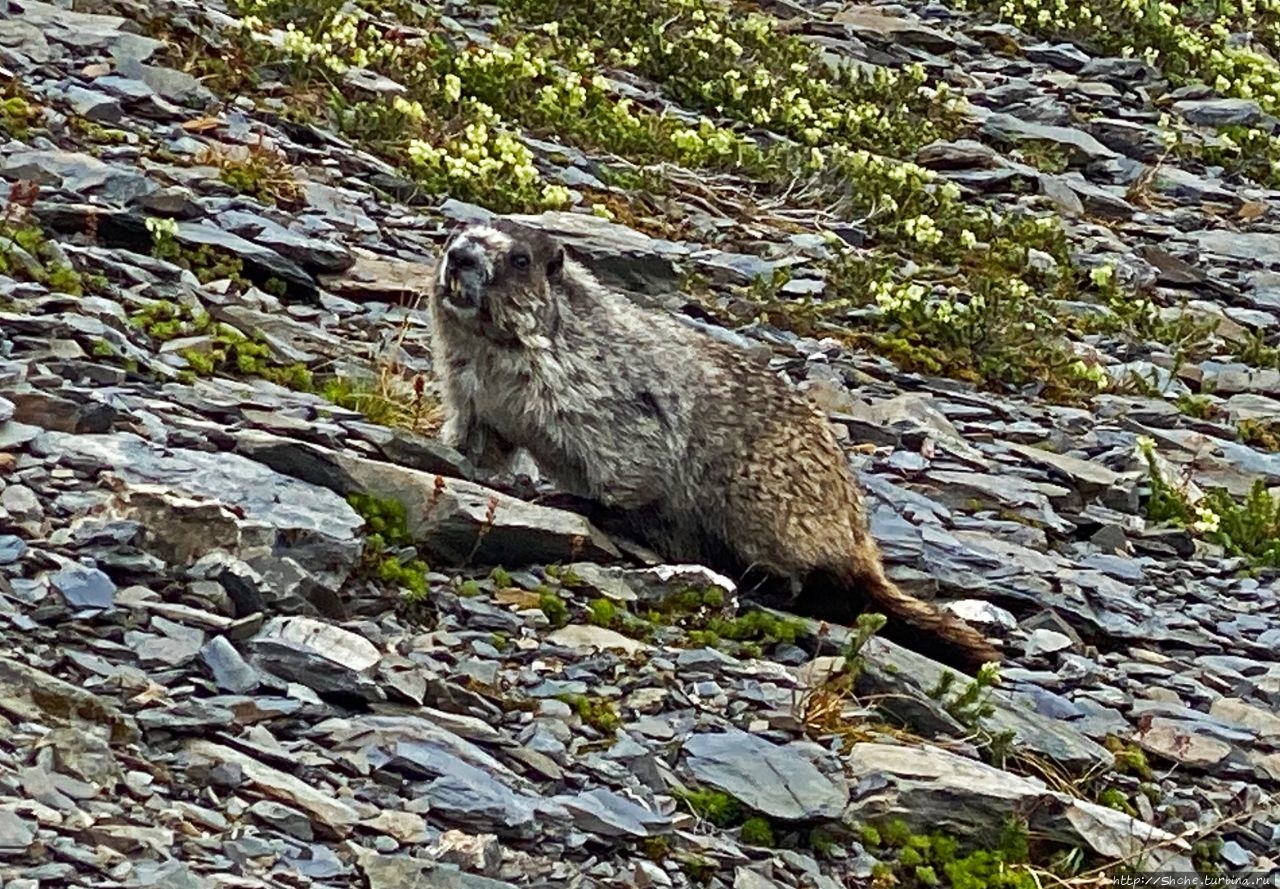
(262, 630)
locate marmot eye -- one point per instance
(520, 260)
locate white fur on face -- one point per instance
(490, 242)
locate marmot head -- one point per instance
(497, 279)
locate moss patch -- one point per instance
(218, 348)
(937, 859)
(389, 556)
(595, 712)
(27, 255)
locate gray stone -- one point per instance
(84, 587)
(81, 174)
(777, 781)
(1220, 112)
(1081, 145)
(313, 525)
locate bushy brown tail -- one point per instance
(964, 644)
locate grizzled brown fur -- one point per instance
(705, 454)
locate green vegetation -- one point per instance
(205, 262)
(1201, 407)
(217, 348)
(1249, 528)
(389, 556)
(1206, 855)
(713, 806)
(757, 831)
(386, 397)
(554, 608)
(822, 842)
(17, 112)
(603, 612)
(27, 255)
(1115, 798)
(1189, 43)
(257, 171)
(595, 712)
(908, 859)
(971, 706)
(944, 286)
(1261, 434)
(703, 617)
(1129, 758)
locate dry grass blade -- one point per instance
(392, 394)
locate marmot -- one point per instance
(703, 454)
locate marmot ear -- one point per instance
(556, 263)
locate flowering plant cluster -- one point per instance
(1230, 45)
(1249, 527)
(945, 285)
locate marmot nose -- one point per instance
(462, 258)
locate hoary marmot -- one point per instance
(703, 454)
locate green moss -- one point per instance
(870, 837)
(700, 612)
(387, 530)
(757, 831)
(656, 848)
(1115, 798)
(927, 876)
(696, 612)
(18, 114)
(756, 626)
(98, 134)
(698, 868)
(1207, 855)
(203, 363)
(205, 261)
(595, 712)
(822, 842)
(226, 349)
(603, 612)
(27, 255)
(1261, 434)
(554, 608)
(715, 806)
(383, 516)
(913, 860)
(1130, 759)
(567, 577)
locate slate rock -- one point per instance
(777, 781)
